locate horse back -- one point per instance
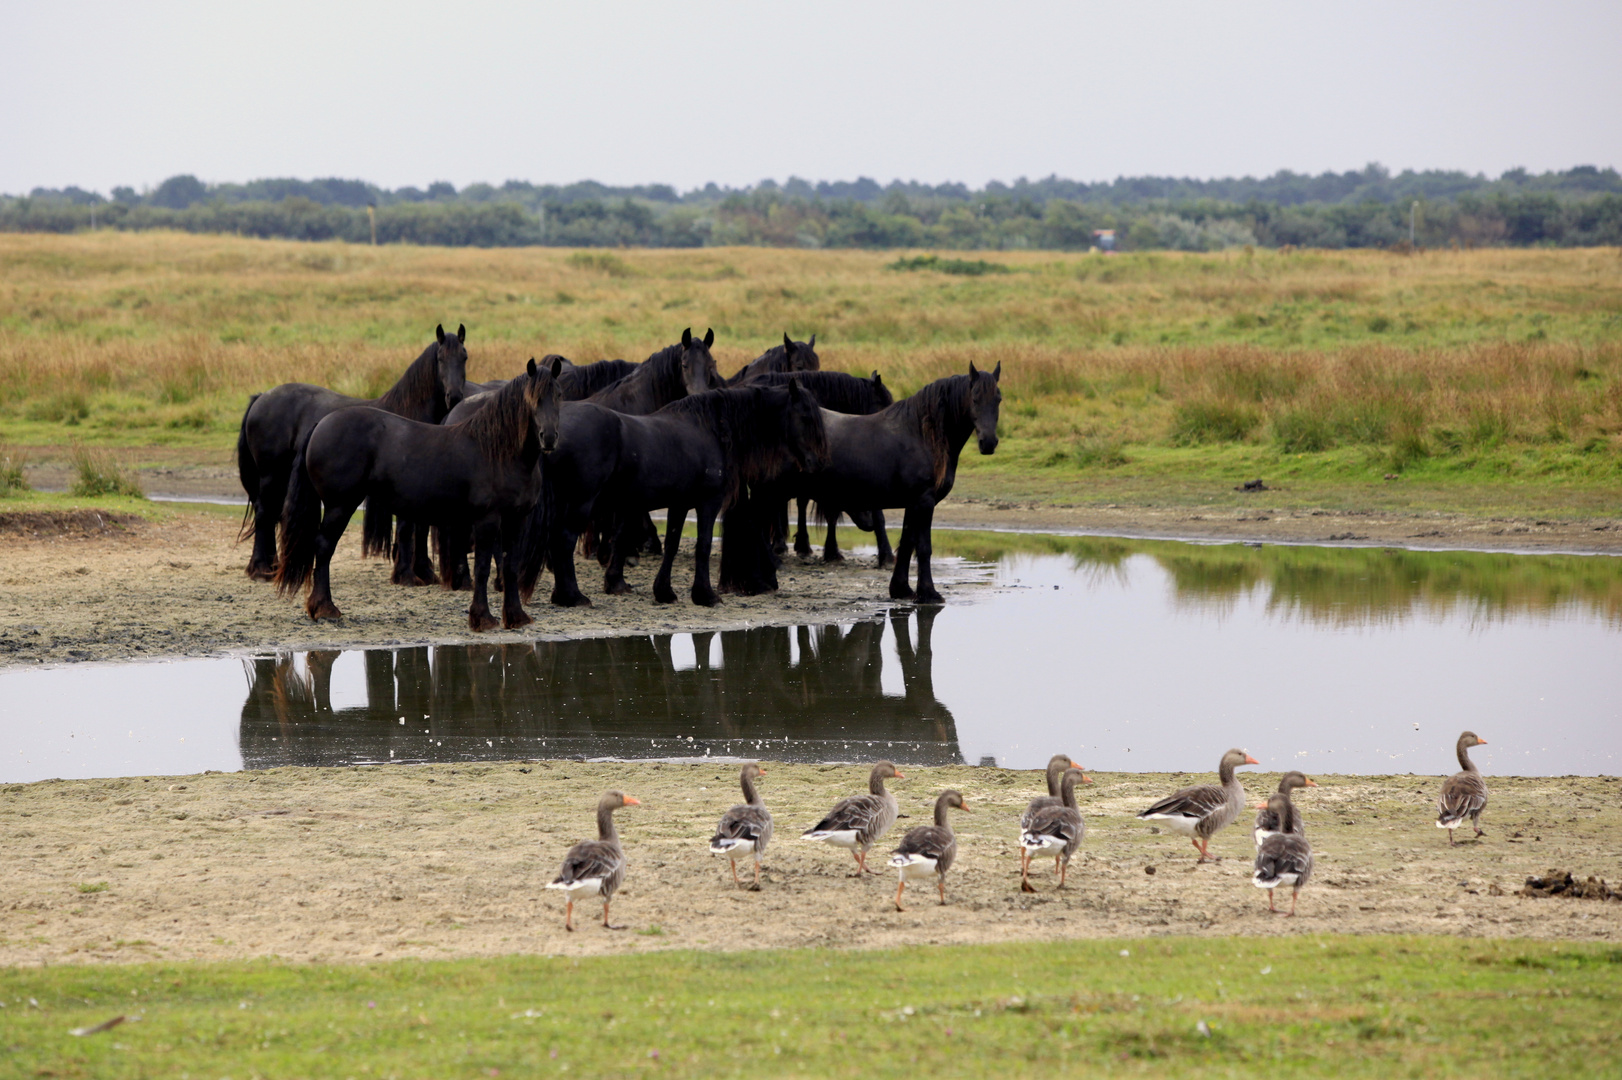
(279, 418)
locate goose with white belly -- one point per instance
(1285, 857)
(595, 867)
(745, 830)
(1266, 820)
(857, 822)
(1464, 794)
(928, 850)
(1199, 813)
(1057, 764)
(1054, 830)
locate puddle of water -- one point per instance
(1128, 655)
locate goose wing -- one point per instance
(1463, 794)
(1053, 826)
(860, 814)
(1284, 859)
(744, 822)
(590, 860)
(1193, 803)
(1036, 805)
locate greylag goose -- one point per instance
(746, 829)
(928, 849)
(1464, 794)
(1285, 857)
(1266, 820)
(1053, 830)
(1200, 812)
(1057, 764)
(595, 867)
(855, 823)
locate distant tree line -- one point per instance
(1367, 208)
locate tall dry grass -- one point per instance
(150, 337)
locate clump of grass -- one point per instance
(92, 886)
(12, 478)
(962, 267)
(602, 262)
(1195, 422)
(64, 408)
(96, 472)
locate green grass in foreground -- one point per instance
(1327, 1006)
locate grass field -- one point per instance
(1378, 1007)
(1484, 378)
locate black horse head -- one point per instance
(545, 399)
(984, 401)
(452, 365)
(698, 370)
(881, 393)
(801, 355)
(806, 436)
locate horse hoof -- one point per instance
(832, 556)
(326, 609)
(617, 588)
(803, 552)
(480, 623)
(516, 622)
(930, 596)
(262, 573)
(900, 592)
(666, 595)
(565, 600)
(705, 599)
(885, 564)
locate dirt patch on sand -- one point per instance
(439, 861)
(177, 588)
(50, 525)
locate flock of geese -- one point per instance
(1052, 825)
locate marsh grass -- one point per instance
(1287, 1006)
(13, 474)
(1467, 364)
(96, 473)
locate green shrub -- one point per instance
(964, 267)
(97, 473)
(12, 479)
(1196, 422)
(69, 408)
(602, 262)
(1303, 431)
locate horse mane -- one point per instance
(413, 395)
(583, 380)
(774, 361)
(834, 390)
(501, 428)
(933, 408)
(750, 437)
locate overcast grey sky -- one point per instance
(98, 94)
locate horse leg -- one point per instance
(565, 586)
(422, 565)
(319, 604)
(830, 544)
(899, 589)
(650, 535)
(802, 538)
(611, 542)
(675, 518)
(512, 608)
(925, 517)
(886, 556)
(404, 538)
(479, 618)
(780, 530)
(703, 594)
(267, 511)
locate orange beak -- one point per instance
(1250, 760)
(1085, 779)
(1311, 782)
(760, 771)
(964, 808)
(900, 775)
(632, 800)
(1481, 742)
(1261, 806)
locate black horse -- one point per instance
(906, 456)
(668, 375)
(756, 527)
(789, 358)
(483, 472)
(698, 453)
(580, 381)
(278, 421)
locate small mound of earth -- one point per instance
(49, 524)
(1562, 883)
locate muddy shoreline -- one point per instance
(435, 861)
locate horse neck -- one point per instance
(417, 394)
(943, 407)
(664, 369)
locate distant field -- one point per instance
(1299, 1006)
(1473, 370)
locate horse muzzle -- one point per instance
(549, 443)
(988, 444)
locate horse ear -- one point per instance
(813, 341)
(788, 343)
(531, 368)
(996, 376)
(557, 366)
(439, 332)
(709, 338)
(687, 338)
(877, 381)
(974, 372)
(461, 332)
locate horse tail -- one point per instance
(377, 527)
(301, 527)
(248, 472)
(535, 539)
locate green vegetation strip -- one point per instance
(1184, 1007)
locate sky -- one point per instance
(406, 93)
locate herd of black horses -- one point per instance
(519, 472)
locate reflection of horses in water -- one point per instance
(611, 697)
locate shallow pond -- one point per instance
(1128, 655)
